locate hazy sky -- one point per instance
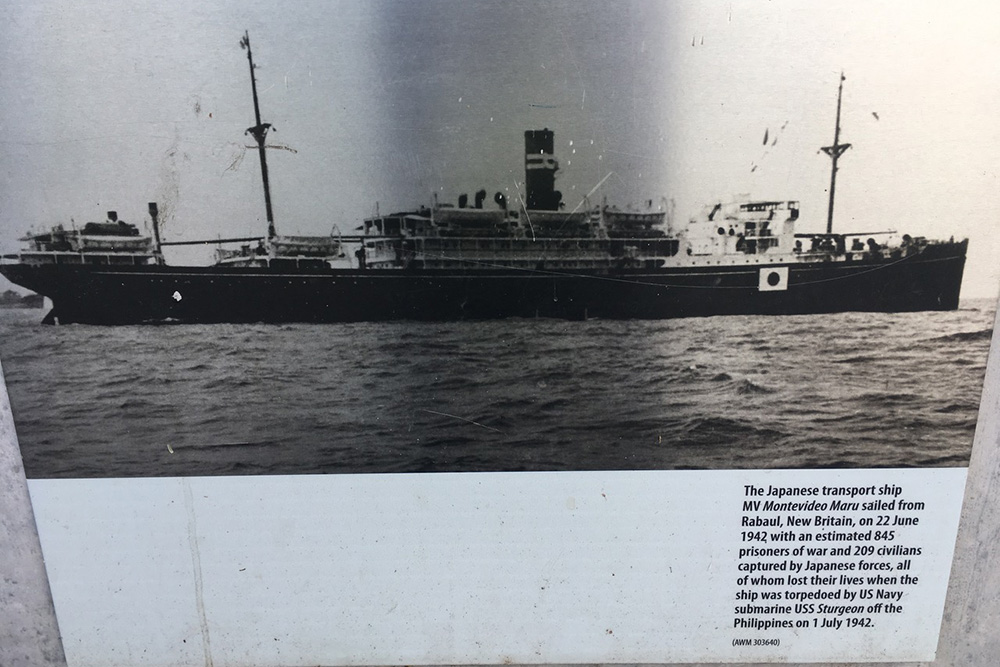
(108, 105)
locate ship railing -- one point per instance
(886, 252)
(519, 242)
(103, 258)
(553, 246)
(104, 243)
(404, 247)
(534, 249)
(312, 246)
(299, 262)
(521, 263)
(511, 253)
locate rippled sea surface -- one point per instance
(847, 390)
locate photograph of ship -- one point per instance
(506, 236)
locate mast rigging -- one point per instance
(259, 132)
(834, 151)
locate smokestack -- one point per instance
(540, 167)
(154, 215)
(463, 201)
(113, 216)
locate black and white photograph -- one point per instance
(518, 236)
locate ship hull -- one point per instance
(95, 294)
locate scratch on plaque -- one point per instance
(445, 414)
(524, 207)
(206, 643)
(169, 448)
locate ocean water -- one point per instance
(845, 390)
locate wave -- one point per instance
(875, 398)
(859, 359)
(719, 430)
(135, 403)
(964, 336)
(952, 408)
(219, 445)
(745, 387)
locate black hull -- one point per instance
(95, 294)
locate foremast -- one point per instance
(834, 151)
(259, 132)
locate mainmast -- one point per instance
(259, 132)
(834, 151)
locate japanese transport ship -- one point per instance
(495, 259)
